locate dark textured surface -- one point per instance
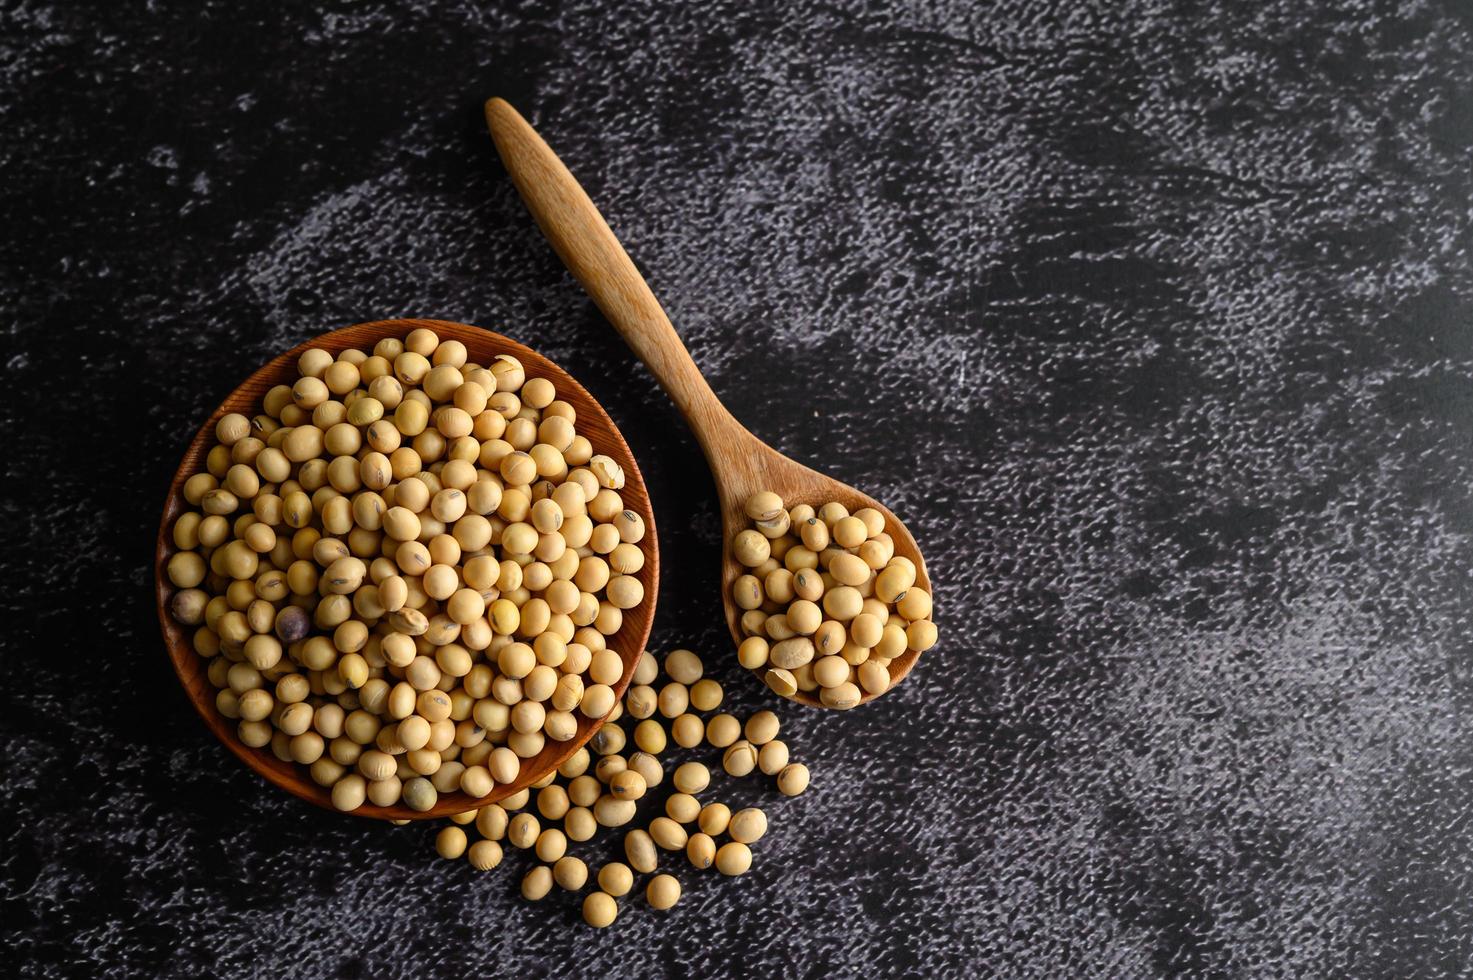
(1155, 323)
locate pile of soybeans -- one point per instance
(404, 571)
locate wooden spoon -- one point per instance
(484, 346)
(741, 464)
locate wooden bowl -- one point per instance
(593, 422)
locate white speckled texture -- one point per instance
(1154, 324)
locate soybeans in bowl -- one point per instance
(411, 574)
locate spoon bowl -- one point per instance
(483, 345)
(741, 464)
(758, 467)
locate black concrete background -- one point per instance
(1152, 319)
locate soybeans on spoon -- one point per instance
(741, 464)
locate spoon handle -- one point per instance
(582, 239)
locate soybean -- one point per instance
(733, 858)
(663, 892)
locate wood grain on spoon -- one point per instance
(741, 464)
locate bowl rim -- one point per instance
(190, 668)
